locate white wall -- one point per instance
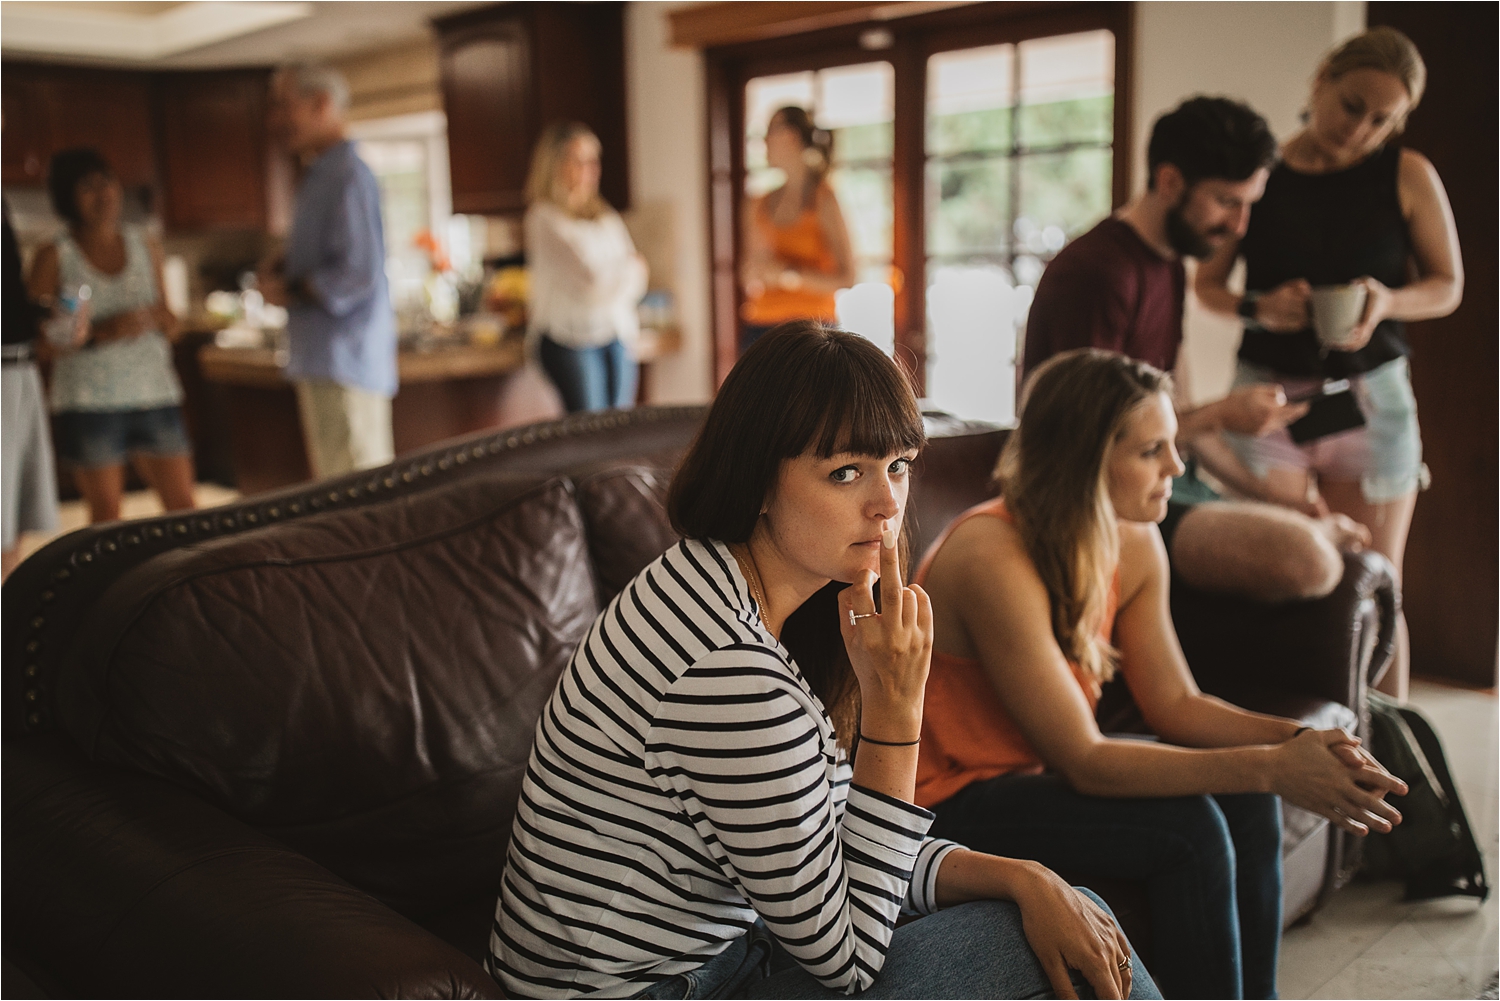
(1261, 53)
(667, 124)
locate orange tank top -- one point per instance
(803, 246)
(967, 736)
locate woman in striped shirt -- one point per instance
(719, 800)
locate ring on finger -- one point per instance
(1124, 965)
(854, 619)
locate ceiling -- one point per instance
(210, 34)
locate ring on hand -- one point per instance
(854, 619)
(1124, 965)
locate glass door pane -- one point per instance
(1065, 163)
(1019, 160)
(971, 190)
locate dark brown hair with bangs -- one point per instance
(800, 388)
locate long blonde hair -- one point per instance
(1385, 49)
(543, 184)
(1054, 473)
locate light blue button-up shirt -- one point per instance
(337, 249)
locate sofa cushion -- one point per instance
(952, 474)
(363, 685)
(625, 510)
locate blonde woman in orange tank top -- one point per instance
(797, 252)
(1039, 599)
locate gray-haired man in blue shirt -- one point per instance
(341, 329)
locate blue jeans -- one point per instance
(1211, 865)
(974, 950)
(590, 378)
(96, 438)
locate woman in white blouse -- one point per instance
(586, 277)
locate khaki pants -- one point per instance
(346, 428)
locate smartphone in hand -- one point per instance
(1332, 408)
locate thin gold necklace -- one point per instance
(752, 577)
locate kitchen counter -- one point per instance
(258, 366)
(450, 390)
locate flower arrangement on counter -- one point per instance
(506, 293)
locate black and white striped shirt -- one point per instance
(684, 781)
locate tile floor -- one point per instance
(1366, 943)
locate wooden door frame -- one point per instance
(912, 41)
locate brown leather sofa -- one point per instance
(274, 748)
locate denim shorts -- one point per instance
(93, 438)
(1384, 456)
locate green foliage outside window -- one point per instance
(968, 131)
(968, 207)
(863, 142)
(980, 183)
(1069, 190)
(1088, 119)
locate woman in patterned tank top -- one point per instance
(114, 394)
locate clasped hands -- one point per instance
(1330, 773)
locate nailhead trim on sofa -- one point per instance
(43, 585)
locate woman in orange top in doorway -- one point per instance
(1037, 599)
(797, 252)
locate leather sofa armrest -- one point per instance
(122, 885)
(1330, 647)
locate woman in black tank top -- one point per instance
(1347, 205)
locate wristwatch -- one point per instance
(1248, 303)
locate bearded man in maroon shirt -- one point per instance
(1120, 287)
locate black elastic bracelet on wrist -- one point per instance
(891, 743)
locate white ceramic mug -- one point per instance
(1336, 311)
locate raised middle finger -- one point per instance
(891, 589)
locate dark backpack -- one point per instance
(1433, 848)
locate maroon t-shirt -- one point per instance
(1108, 289)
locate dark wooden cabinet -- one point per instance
(489, 100)
(52, 108)
(220, 169)
(26, 145)
(511, 69)
(199, 138)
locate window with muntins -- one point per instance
(970, 146)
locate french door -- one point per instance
(969, 147)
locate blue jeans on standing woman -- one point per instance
(590, 378)
(1211, 865)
